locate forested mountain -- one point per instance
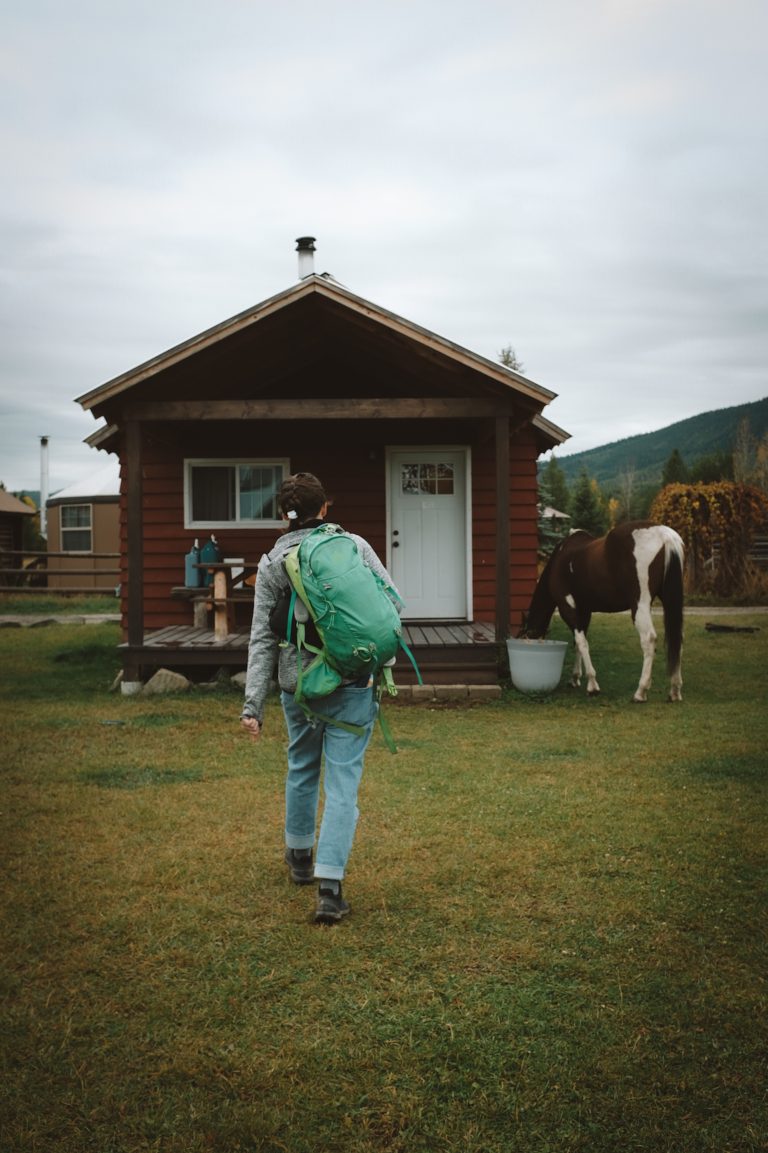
(645, 455)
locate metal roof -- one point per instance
(104, 483)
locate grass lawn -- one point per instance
(558, 938)
(35, 604)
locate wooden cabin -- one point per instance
(13, 514)
(428, 450)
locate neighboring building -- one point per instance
(84, 523)
(428, 449)
(12, 515)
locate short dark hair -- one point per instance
(301, 494)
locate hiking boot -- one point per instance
(331, 906)
(299, 861)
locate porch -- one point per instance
(456, 652)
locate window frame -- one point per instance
(234, 463)
(63, 530)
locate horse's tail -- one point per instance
(672, 599)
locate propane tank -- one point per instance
(192, 575)
(210, 554)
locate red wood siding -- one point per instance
(350, 458)
(523, 530)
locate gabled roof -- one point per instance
(548, 434)
(11, 504)
(354, 307)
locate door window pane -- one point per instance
(409, 478)
(428, 479)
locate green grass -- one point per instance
(558, 940)
(33, 604)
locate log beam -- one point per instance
(503, 559)
(135, 540)
(344, 408)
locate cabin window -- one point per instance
(224, 493)
(76, 535)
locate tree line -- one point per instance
(718, 503)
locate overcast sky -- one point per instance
(584, 181)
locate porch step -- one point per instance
(449, 654)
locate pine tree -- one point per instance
(711, 468)
(675, 471)
(509, 358)
(554, 484)
(588, 509)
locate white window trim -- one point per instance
(64, 531)
(228, 462)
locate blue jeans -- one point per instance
(344, 753)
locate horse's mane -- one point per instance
(542, 606)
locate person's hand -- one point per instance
(252, 727)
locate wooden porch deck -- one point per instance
(456, 652)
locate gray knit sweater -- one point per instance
(264, 648)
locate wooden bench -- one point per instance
(200, 599)
(227, 589)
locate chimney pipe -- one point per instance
(305, 246)
(43, 486)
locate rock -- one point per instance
(166, 681)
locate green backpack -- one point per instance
(353, 613)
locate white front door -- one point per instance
(429, 543)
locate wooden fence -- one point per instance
(29, 572)
(758, 554)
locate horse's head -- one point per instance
(536, 619)
(533, 628)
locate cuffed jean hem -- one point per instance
(292, 842)
(328, 873)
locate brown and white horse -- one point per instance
(626, 569)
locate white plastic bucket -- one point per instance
(536, 665)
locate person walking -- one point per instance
(304, 505)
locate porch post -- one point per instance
(135, 542)
(503, 566)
